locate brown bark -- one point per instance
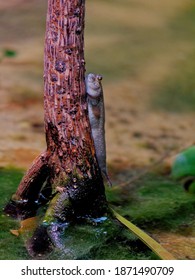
(69, 165)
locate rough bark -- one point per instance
(68, 169)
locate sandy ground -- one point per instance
(136, 136)
(11, 4)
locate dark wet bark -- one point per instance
(67, 172)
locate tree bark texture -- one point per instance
(68, 168)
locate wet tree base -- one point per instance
(72, 205)
(20, 210)
(84, 239)
(39, 245)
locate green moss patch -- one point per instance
(153, 203)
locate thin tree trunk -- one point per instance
(69, 167)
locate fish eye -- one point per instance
(99, 77)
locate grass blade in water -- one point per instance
(149, 241)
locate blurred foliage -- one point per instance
(183, 169)
(118, 50)
(9, 53)
(177, 92)
(183, 26)
(184, 164)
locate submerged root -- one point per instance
(39, 245)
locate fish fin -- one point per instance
(107, 178)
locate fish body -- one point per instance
(96, 112)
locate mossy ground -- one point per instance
(154, 203)
(11, 248)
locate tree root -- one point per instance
(28, 197)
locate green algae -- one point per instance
(102, 240)
(154, 203)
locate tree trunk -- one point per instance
(68, 170)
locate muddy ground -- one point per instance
(136, 134)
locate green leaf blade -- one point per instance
(149, 241)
